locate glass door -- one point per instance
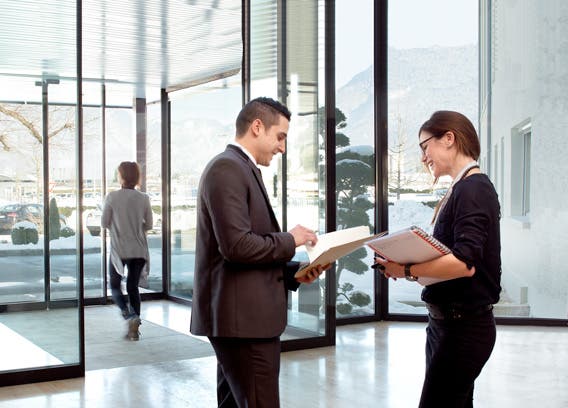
(40, 310)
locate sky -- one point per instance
(412, 24)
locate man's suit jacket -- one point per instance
(242, 271)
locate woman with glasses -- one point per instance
(461, 327)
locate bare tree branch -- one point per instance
(4, 142)
(66, 125)
(25, 122)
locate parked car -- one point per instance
(13, 213)
(93, 220)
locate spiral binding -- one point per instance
(430, 239)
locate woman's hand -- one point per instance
(388, 268)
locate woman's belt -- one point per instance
(455, 313)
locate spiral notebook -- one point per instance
(410, 246)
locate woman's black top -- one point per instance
(469, 225)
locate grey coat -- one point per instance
(127, 214)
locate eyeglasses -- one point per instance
(421, 144)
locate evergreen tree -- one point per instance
(54, 220)
(355, 175)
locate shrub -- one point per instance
(344, 308)
(24, 232)
(66, 211)
(67, 232)
(359, 298)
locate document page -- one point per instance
(334, 245)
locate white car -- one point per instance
(93, 220)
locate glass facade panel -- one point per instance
(120, 145)
(22, 260)
(264, 48)
(287, 64)
(120, 142)
(93, 193)
(154, 190)
(355, 151)
(525, 115)
(38, 188)
(202, 124)
(62, 198)
(430, 69)
(303, 78)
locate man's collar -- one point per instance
(245, 151)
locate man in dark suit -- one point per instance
(242, 261)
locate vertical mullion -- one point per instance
(79, 178)
(246, 68)
(330, 161)
(380, 65)
(166, 182)
(45, 215)
(103, 189)
(282, 74)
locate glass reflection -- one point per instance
(202, 124)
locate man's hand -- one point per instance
(303, 235)
(313, 273)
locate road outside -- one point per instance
(22, 270)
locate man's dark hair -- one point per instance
(266, 109)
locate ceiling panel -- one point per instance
(165, 43)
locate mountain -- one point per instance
(196, 141)
(420, 81)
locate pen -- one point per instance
(378, 266)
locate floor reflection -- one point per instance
(373, 365)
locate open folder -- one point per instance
(334, 245)
(410, 245)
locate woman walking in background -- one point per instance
(127, 214)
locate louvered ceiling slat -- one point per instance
(144, 42)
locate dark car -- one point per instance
(13, 213)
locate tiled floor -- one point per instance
(50, 337)
(372, 365)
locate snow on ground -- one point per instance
(61, 243)
(403, 295)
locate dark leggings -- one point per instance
(456, 351)
(135, 266)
